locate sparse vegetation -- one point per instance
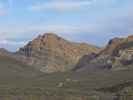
(19, 81)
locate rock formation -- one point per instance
(117, 55)
(51, 53)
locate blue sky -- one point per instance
(91, 21)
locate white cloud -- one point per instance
(60, 6)
(9, 42)
(27, 31)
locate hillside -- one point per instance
(51, 53)
(12, 69)
(117, 55)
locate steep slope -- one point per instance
(51, 53)
(118, 54)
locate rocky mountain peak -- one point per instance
(46, 40)
(53, 53)
(116, 44)
(115, 41)
(48, 37)
(117, 55)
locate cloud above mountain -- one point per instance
(75, 19)
(60, 6)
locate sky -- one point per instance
(91, 21)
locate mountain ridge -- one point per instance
(52, 53)
(104, 76)
(114, 43)
(117, 55)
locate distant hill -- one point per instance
(117, 55)
(117, 44)
(51, 53)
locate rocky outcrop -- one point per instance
(117, 44)
(51, 53)
(117, 55)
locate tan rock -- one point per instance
(52, 53)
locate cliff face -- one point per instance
(51, 53)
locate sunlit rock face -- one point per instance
(51, 53)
